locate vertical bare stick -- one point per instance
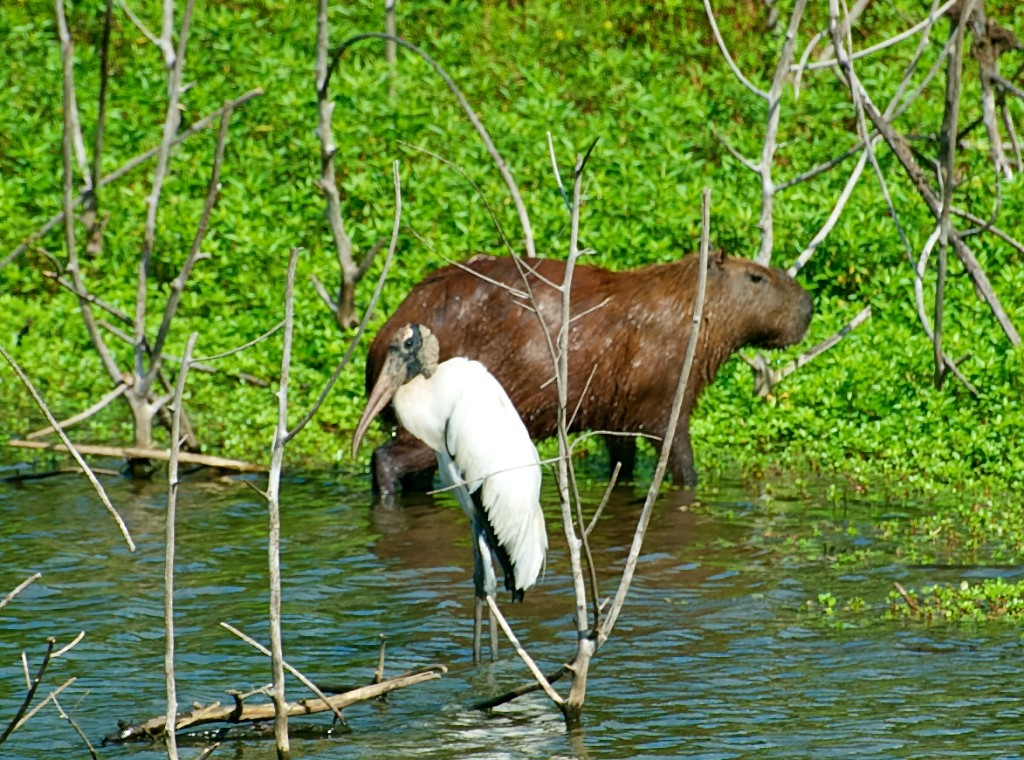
(174, 63)
(390, 49)
(70, 126)
(274, 516)
(947, 172)
(766, 224)
(170, 540)
(345, 307)
(71, 447)
(666, 448)
(574, 541)
(378, 676)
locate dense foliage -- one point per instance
(644, 77)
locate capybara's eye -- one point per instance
(754, 277)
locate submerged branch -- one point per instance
(239, 712)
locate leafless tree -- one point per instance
(141, 382)
(877, 126)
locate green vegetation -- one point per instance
(993, 599)
(644, 77)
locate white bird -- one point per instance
(484, 453)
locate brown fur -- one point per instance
(634, 343)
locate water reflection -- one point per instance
(712, 658)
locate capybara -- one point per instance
(626, 346)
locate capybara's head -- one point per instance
(757, 305)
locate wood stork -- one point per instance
(483, 451)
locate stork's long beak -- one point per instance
(391, 377)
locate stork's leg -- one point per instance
(478, 610)
(480, 584)
(490, 584)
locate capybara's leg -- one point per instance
(403, 460)
(621, 449)
(680, 460)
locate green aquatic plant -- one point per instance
(990, 599)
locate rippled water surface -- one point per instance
(713, 657)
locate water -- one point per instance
(713, 656)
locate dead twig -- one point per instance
(911, 601)
(19, 588)
(305, 681)
(74, 725)
(23, 713)
(766, 378)
(68, 446)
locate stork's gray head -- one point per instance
(413, 351)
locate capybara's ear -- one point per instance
(716, 257)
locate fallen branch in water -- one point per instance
(240, 712)
(911, 601)
(132, 452)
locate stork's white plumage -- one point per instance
(483, 449)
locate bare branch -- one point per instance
(510, 183)
(124, 169)
(175, 64)
(74, 725)
(139, 24)
(899, 146)
(604, 499)
(277, 692)
(537, 674)
(170, 544)
(33, 684)
(725, 53)
(178, 284)
(19, 588)
(765, 224)
(367, 314)
(70, 447)
(241, 348)
(476, 188)
(732, 149)
(216, 713)
(821, 168)
(659, 473)
(305, 681)
(833, 217)
(70, 421)
(766, 378)
(46, 700)
(322, 292)
(70, 125)
(894, 40)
